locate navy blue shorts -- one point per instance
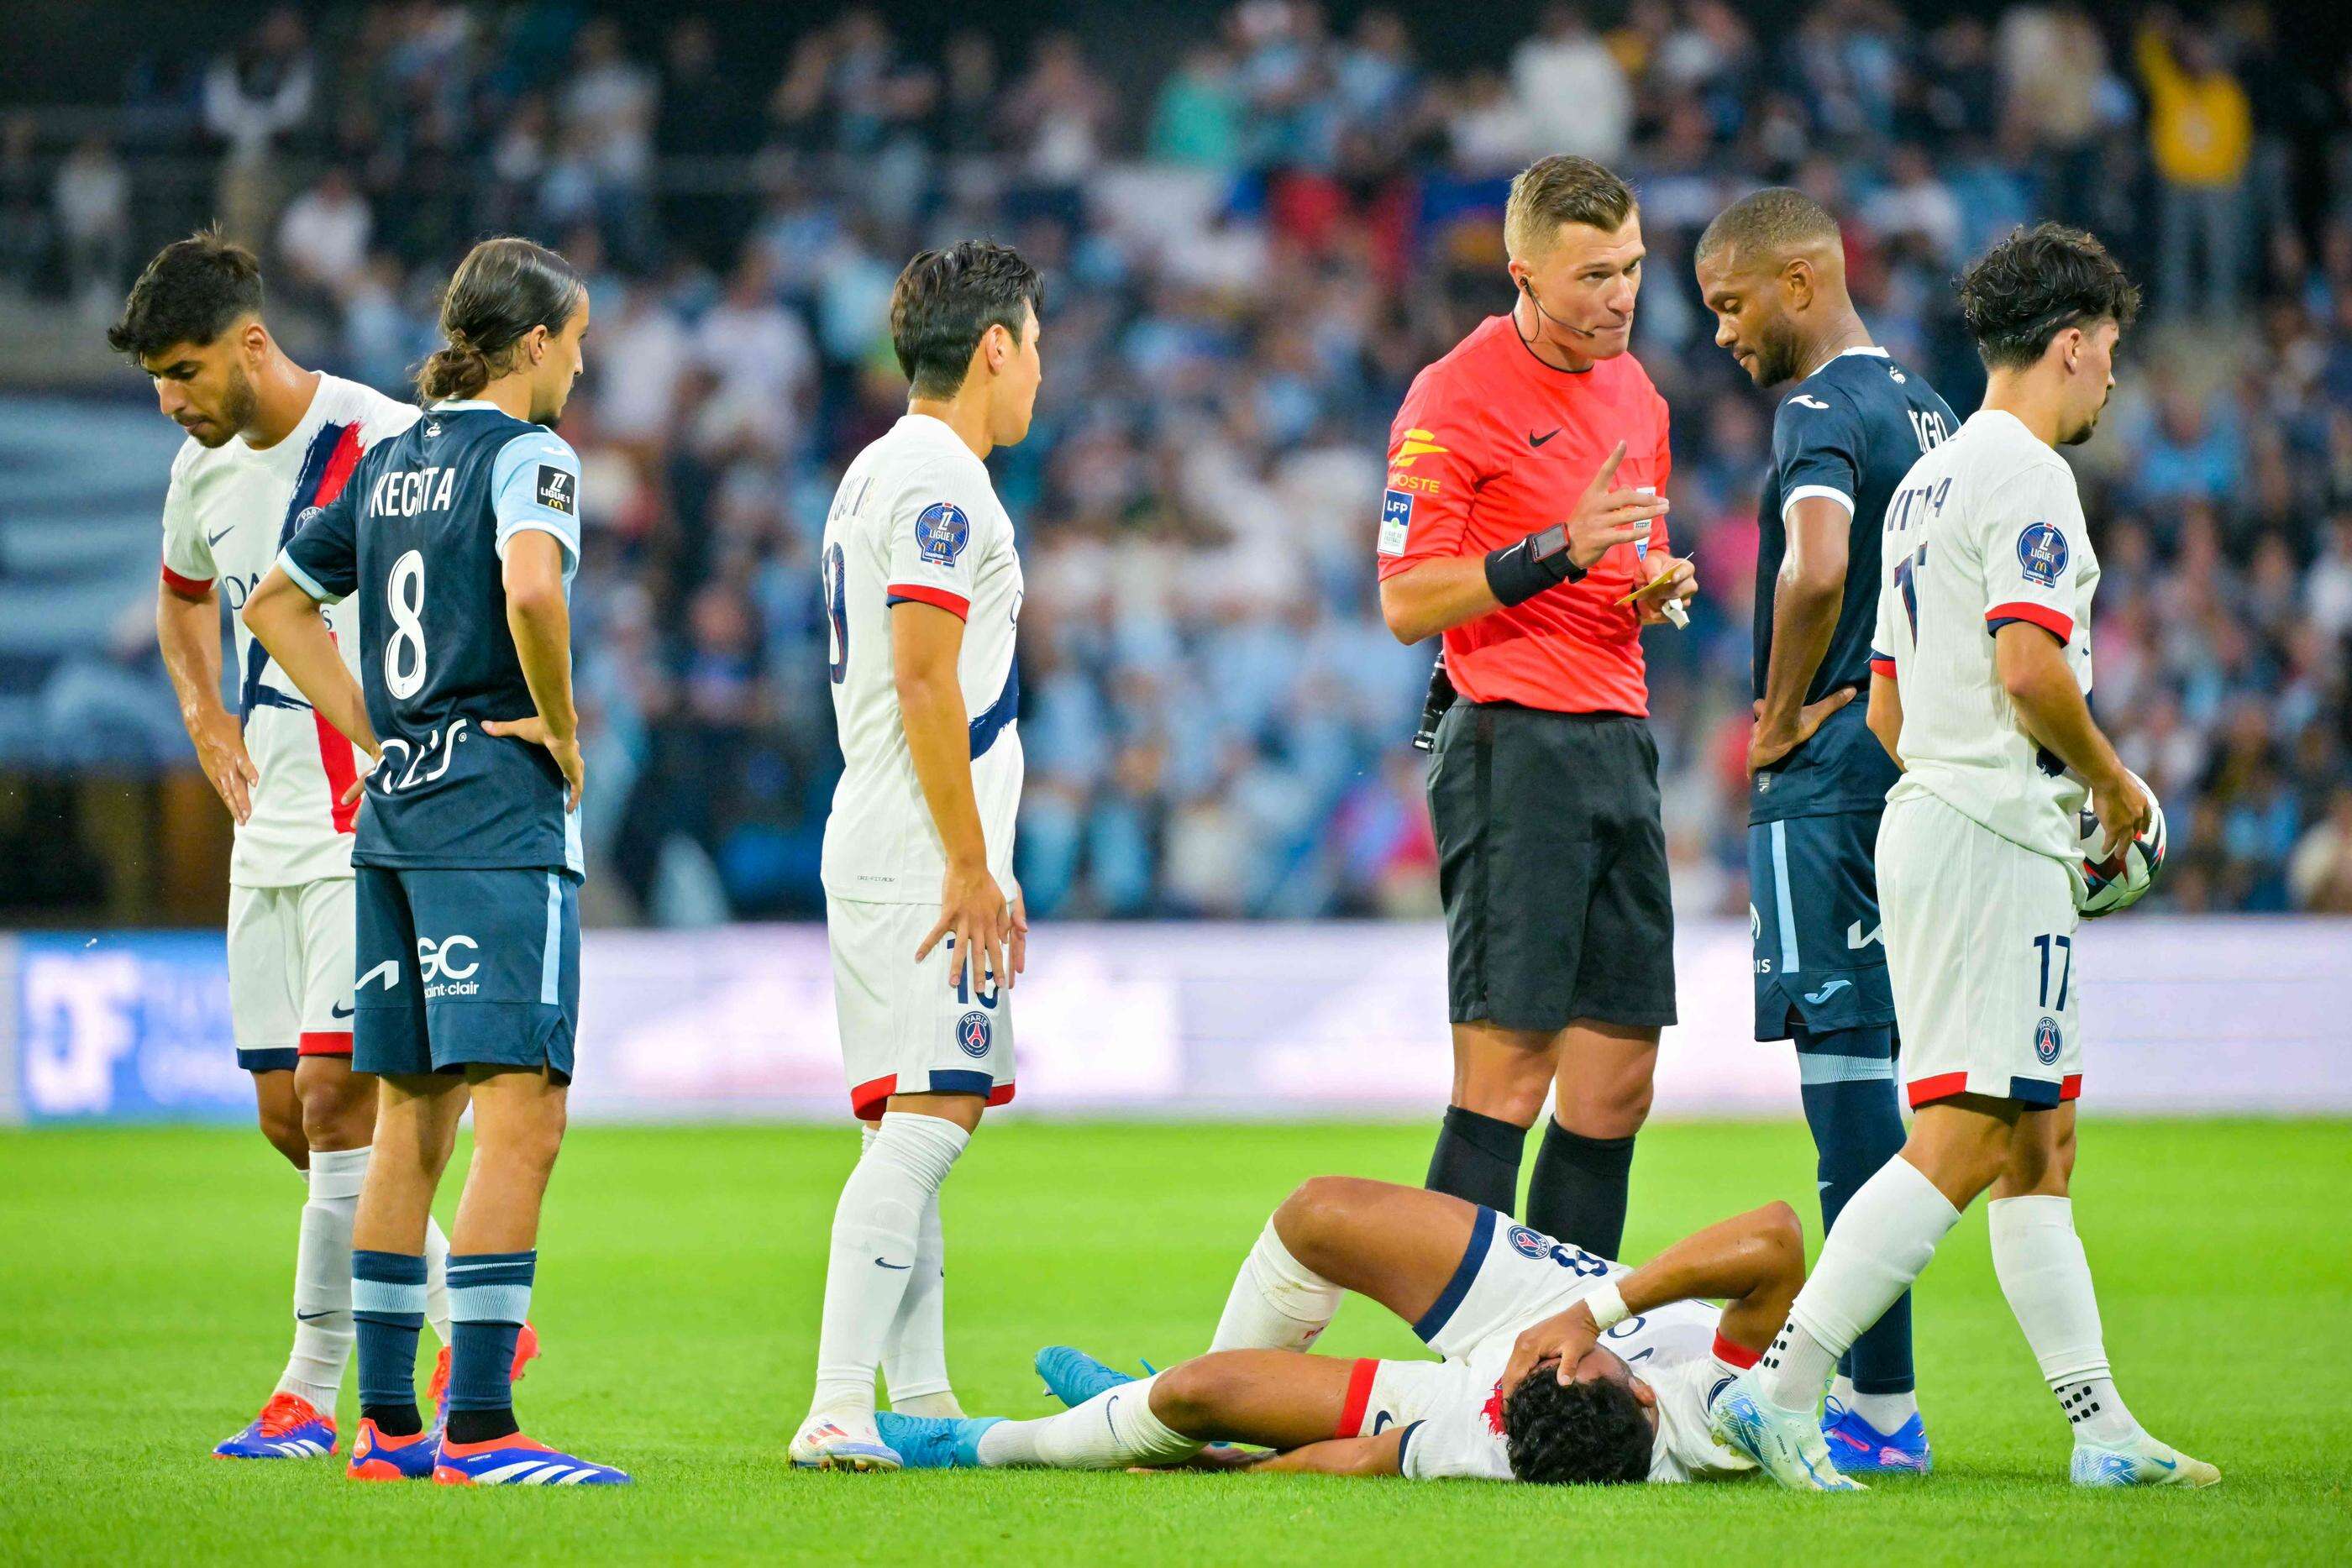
(1813, 912)
(460, 967)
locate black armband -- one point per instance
(1516, 573)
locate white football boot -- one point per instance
(841, 1440)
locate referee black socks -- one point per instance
(1578, 1191)
(1477, 1158)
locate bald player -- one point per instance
(1772, 268)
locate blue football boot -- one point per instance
(934, 1442)
(288, 1427)
(1074, 1377)
(1860, 1449)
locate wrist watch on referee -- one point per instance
(1516, 573)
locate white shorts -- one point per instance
(1980, 954)
(290, 972)
(907, 1028)
(1509, 1278)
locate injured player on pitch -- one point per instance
(1559, 1366)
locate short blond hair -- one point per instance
(1559, 190)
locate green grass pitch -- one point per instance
(144, 1300)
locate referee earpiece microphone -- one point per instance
(1547, 315)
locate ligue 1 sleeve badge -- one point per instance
(2042, 553)
(941, 533)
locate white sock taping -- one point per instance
(1111, 1431)
(877, 1231)
(1278, 1302)
(915, 1351)
(1881, 1243)
(2039, 1259)
(323, 1330)
(437, 1278)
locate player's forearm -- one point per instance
(938, 743)
(541, 624)
(285, 620)
(1436, 596)
(1751, 1260)
(2049, 706)
(1804, 617)
(187, 633)
(1341, 1456)
(1885, 715)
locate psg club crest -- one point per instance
(2047, 1041)
(942, 532)
(1527, 1243)
(972, 1034)
(2042, 553)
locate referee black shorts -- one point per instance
(1552, 863)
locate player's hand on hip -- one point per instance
(1563, 1337)
(2121, 806)
(1767, 744)
(976, 918)
(565, 749)
(358, 787)
(1607, 516)
(220, 747)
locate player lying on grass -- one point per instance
(1622, 1394)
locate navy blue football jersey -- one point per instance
(1849, 431)
(419, 536)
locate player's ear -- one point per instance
(253, 340)
(1797, 282)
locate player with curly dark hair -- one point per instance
(1559, 1367)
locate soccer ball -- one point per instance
(2123, 878)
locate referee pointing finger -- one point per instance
(1524, 519)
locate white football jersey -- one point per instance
(1986, 529)
(917, 520)
(228, 511)
(1671, 1348)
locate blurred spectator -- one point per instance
(1571, 88)
(92, 198)
(253, 96)
(323, 238)
(2199, 132)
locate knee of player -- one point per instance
(1610, 1110)
(1188, 1395)
(338, 1109)
(1784, 1235)
(1314, 1212)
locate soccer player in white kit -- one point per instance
(1979, 690)
(922, 586)
(266, 442)
(1559, 1366)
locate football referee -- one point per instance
(1523, 519)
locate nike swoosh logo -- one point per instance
(312, 1317)
(216, 538)
(878, 1262)
(1826, 992)
(1854, 938)
(339, 1010)
(1534, 440)
(2168, 1464)
(1382, 1422)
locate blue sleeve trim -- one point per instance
(1995, 624)
(303, 579)
(1465, 1273)
(1404, 1444)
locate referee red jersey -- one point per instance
(1491, 444)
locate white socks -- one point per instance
(2047, 1279)
(1885, 1412)
(915, 1352)
(1278, 1302)
(876, 1232)
(323, 1330)
(1882, 1241)
(1111, 1431)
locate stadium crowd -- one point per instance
(1250, 254)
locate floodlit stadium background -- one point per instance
(1258, 222)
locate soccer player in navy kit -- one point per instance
(460, 538)
(1772, 269)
